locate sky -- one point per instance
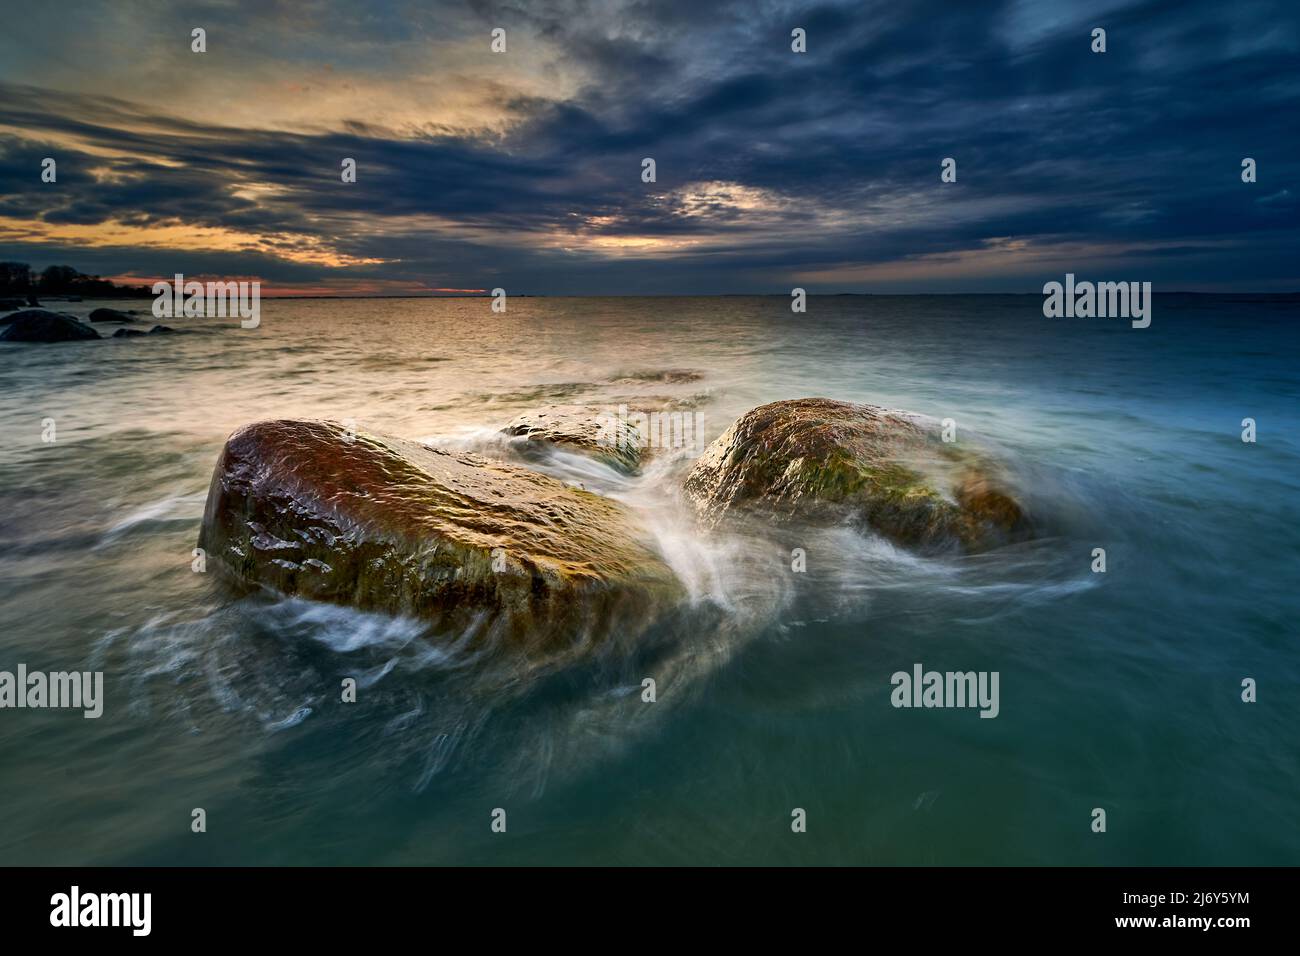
(774, 169)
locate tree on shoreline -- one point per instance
(19, 279)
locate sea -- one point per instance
(1163, 690)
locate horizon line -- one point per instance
(665, 295)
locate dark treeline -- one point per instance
(19, 279)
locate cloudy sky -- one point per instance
(774, 169)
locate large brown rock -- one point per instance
(818, 460)
(382, 523)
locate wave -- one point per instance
(447, 702)
(171, 508)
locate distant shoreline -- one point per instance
(682, 295)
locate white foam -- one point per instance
(178, 507)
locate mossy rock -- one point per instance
(824, 461)
(307, 508)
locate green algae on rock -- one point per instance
(820, 460)
(308, 508)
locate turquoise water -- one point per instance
(1118, 690)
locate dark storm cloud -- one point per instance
(828, 162)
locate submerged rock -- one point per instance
(41, 325)
(820, 460)
(161, 330)
(127, 333)
(667, 376)
(599, 433)
(110, 315)
(382, 523)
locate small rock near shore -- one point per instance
(41, 325)
(110, 315)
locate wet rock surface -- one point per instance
(377, 522)
(585, 429)
(820, 460)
